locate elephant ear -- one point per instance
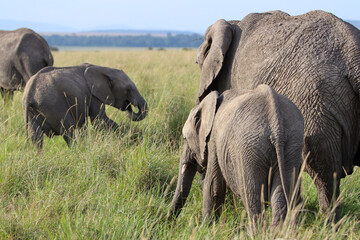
(208, 110)
(199, 124)
(211, 54)
(99, 80)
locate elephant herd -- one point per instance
(56, 101)
(276, 91)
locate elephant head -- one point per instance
(211, 54)
(196, 133)
(26, 53)
(115, 88)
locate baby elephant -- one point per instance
(250, 141)
(58, 100)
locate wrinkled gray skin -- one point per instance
(246, 140)
(314, 60)
(58, 100)
(22, 54)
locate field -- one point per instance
(119, 185)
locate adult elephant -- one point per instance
(22, 54)
(314, 60)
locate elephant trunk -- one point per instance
(142, 107)
(187, 172)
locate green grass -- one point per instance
(120, 185)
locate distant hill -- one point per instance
(122, 32)
(149, 40)
(139, 32)
(59, 36)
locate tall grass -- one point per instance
(119, 185)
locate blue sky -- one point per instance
(189, 15)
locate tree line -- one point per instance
(149, 41)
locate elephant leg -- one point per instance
(214, 189)
(253, 182)
(293, 166)
(108, 123)
(187, 171)
(278, 200)
(67, 131)
(35, 132)
(7, 94)
(69, 138)
(253, 206)
(328, 188)
(322, 168)
(99, 118)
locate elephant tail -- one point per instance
(279, 147)
(277, 137)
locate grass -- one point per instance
(120, 185)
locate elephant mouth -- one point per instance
(136, 113)
(132, 109)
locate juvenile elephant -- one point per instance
(248, 140)
(58, 100)
(314, 60)
(22, 54)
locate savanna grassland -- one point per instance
(119, 185)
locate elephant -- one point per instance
(314, 60)
(22, 54)
(57, 100)
(248, 140)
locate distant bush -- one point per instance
(54, 49)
